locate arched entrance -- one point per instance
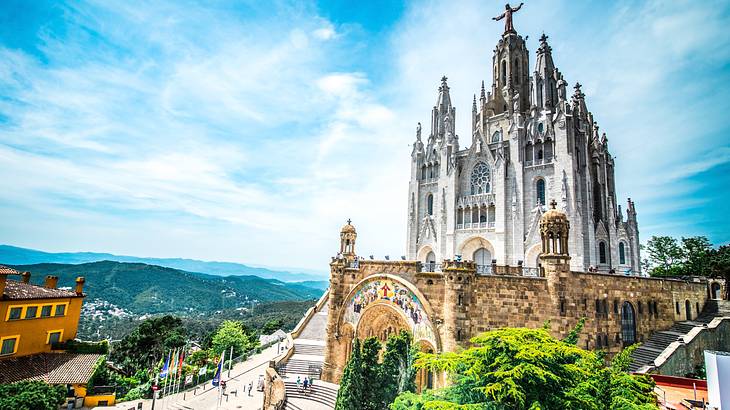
(628, 324)
(715, 290)
(381, 320)
(482, 257)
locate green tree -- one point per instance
(665, 256)
(397, 374)
(145, 345)
(349, 396)
(696, 255)
(371, 395)
(232, 334)
(31, 396)
(272, 326)
(529, 369)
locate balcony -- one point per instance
(475, 225)
(431, 267)
(476, 200)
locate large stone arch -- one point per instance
(402, 296)
(380, 320)
(467, 248)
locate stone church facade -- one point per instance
(530, 141)
(484, 249)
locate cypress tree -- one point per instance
(397, 374)
(349, 396)
(371, 393)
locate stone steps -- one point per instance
(645, 354)
(317, 393)
(315, 350)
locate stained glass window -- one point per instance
(480, 179)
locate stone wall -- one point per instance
(680, 358)
(274, 390)
(462, 304)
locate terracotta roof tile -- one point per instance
(52, 368)
(4, 270)
(19, 290)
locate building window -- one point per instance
(460, 300)
(562, 307)
(482, 257)
(54, 336)
(598, 307)
(615, 306)
(480, 178)
(46, 311)
(688, 309)
(31, 312)
(9, 345)
(641, 308)
(497, 136)
(504, 73)
(60, 310)
(517, 71)
(540, 190)
(429, 202)
(621, 253)
(697, 308)
(628, 324)
(602, 252)
(15, 313)
(676, 306)
(423, 172)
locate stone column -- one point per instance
(456, 327)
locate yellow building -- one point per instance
(34, 317)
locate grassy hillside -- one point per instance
(149, 289)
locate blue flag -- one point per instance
(166, 367)
(217, 378)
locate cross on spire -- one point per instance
(348, 221)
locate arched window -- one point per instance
(423, 172)
(517, 72)
(628, 324)
(539, 154)
(540, 128)
(429, 201)
(621, 253)
(482, 257)
(540, 191)
(601, 252)
(688, 310)
(497, 136)
(480, 177)
(430, 262)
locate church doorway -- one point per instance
(381, 320)
(430, 262)
(628, 324)
(482, 257)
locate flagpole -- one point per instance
(220, 375)
(231, 363)
(157, 378)
(180, 369)
(167, 374)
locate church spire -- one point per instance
(443, 117)
(546, 77)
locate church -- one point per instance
(520, 229)
(530, 141)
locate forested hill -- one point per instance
(142, 288)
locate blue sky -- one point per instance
(250, 131)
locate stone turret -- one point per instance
(458, 278)
(348, 235)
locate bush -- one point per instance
(76, 346)
(31, 396)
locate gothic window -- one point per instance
(540, 128)
(429, 201)
(539, 155)
(517, 72)
(497, 136)
(480, 179)
(540, 190)
(601, 252)
(628, 324)
(528, 152)
(621, 253)
(423, 172)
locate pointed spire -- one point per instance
(578, 93)
(483, 95)
(474, 103)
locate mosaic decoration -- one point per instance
(400, 297)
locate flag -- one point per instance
(203, 370)
(217, 378)
(166, 367)
(180, 366)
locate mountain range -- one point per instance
(13, 255)
(149, 289)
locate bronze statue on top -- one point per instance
(507, 16)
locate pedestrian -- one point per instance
(311, 382)
(299, 383)
(250, 386)
(306, 383)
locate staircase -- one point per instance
(643, 357)
(322, 394)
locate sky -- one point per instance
(251, 131)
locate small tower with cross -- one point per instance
(348, 235)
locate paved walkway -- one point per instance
(241, 375)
